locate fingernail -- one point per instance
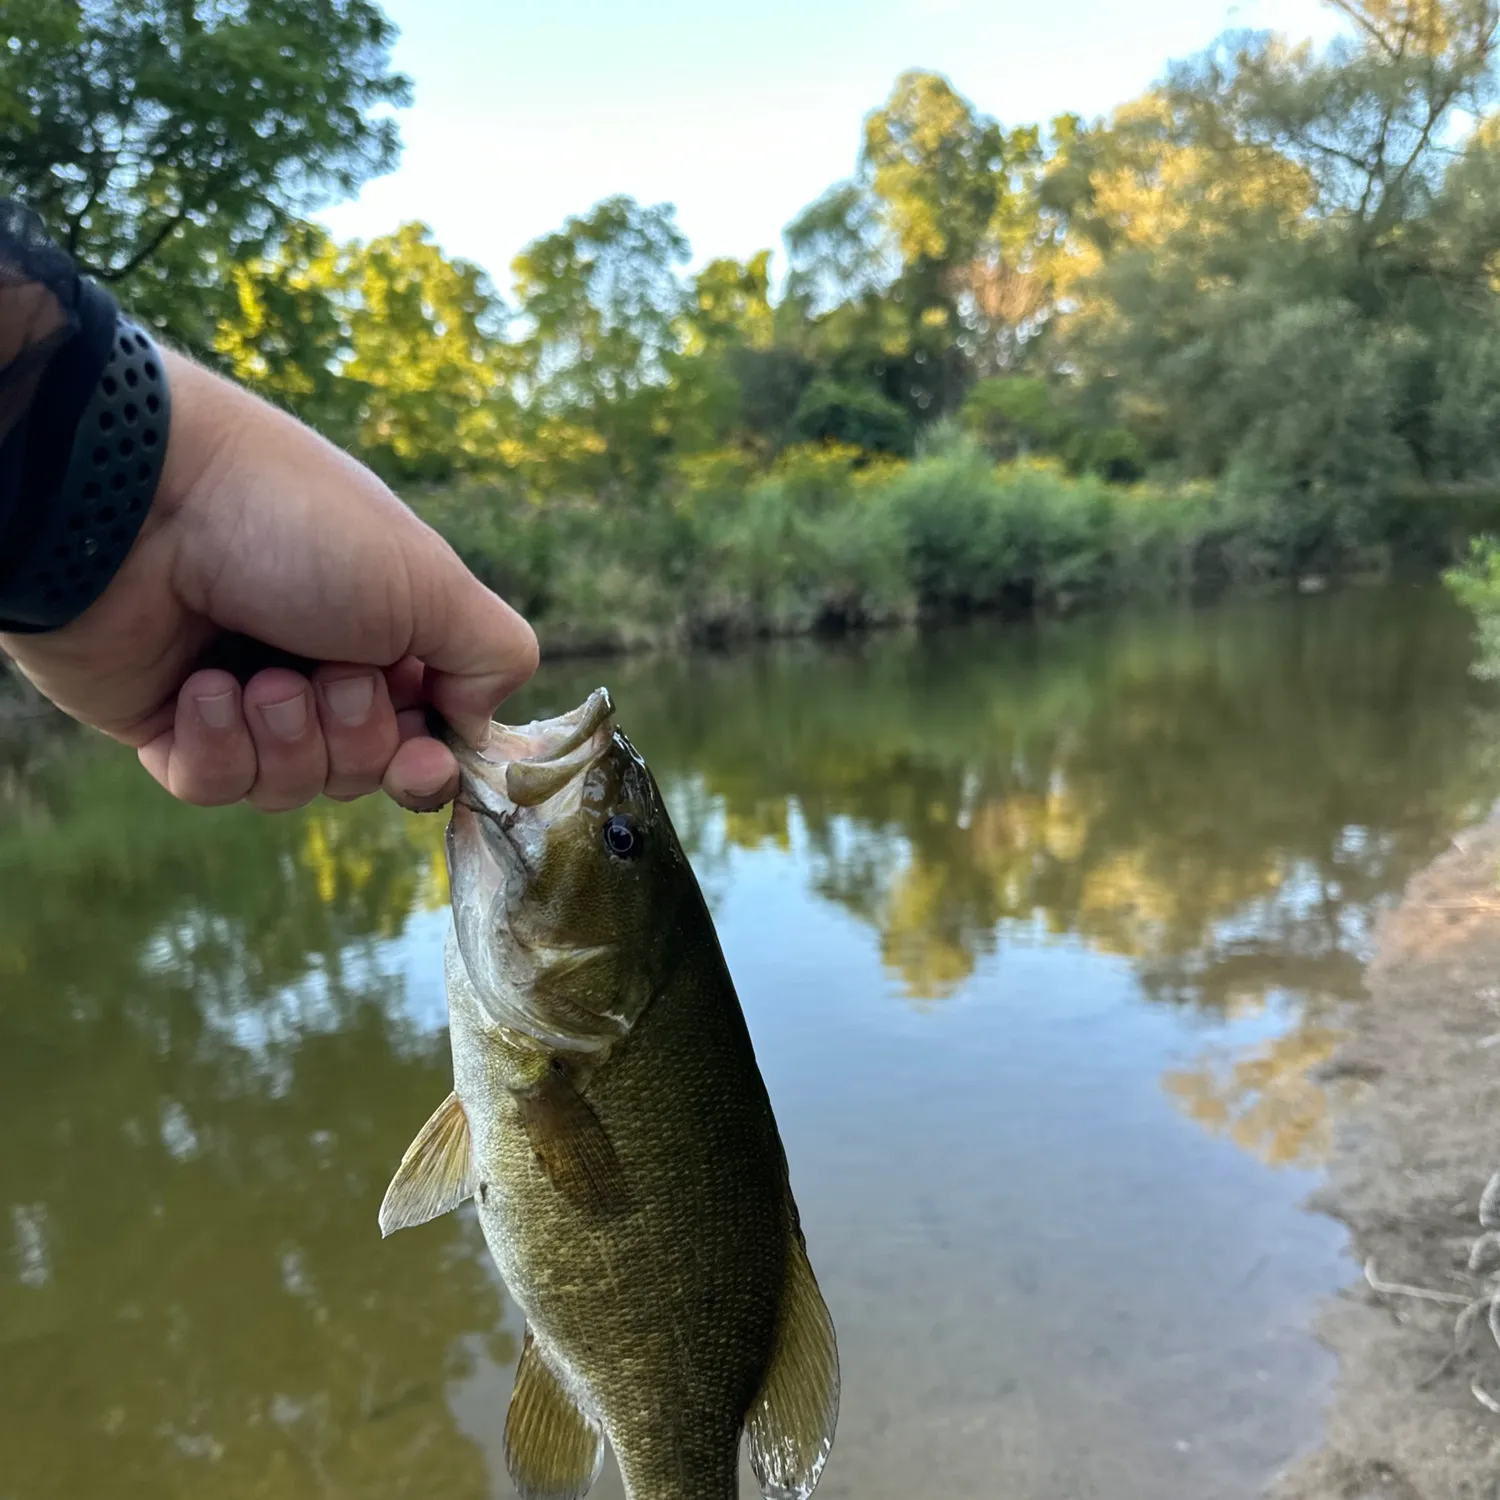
(432, 804)
(287, 719)
(216, 710)
(350, 699)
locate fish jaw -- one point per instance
(526, 779)
(540, 740)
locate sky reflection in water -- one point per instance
(1038, 932)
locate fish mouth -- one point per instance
(527, 765)
(527, 779)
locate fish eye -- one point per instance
(621, 837)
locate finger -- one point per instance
(422, 775)
(290, 752)
(476, 648)
(411, 724)
(406, 683)
(207, 758)
(359, 728)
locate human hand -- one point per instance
(263, 529)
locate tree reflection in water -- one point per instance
(212, 1052)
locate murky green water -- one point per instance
(1037, 932)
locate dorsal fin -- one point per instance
(436, 1174)
(552, 1451)
(791, 1421)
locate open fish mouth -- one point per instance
(531, 764)
(528, 778)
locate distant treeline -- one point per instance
(1245, 326)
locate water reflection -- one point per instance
(1268, 1098)
(206, 1071)
(1219, 797)
(219, 1031)
(1224, 799)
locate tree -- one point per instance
(1278, 265)
(602, 307)
(426, 346)
(852, 415)
(925, 269)
(392, 348)
(1170, 251)
(602, 300)
(937, 168)
(176, 136)
(286, 330)
(838, 250)
(956, 194)
(730, 306)
(1370, 117)
(728, 327)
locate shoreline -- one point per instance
(25, 714)
(1408, 1164)
(561, 643)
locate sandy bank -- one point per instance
(1409, 1165)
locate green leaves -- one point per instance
(392, 348)
(938, 169)
(601, 304)
(1274, 272)
(601, 300)
(162, 141)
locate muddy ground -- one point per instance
(1409, 1165)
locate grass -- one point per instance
(829, 540)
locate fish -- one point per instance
(610, 1125)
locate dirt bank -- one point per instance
(1409, 1165)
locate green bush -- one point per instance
(855, 414)
(982, 537)
(1475, 583)
(831, 538)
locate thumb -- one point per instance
(477, 650)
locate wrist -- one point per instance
(84, 465)
(203, 421)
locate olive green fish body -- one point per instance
(667, 1308)
(613, 1129)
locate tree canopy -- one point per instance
(1274, 271)
(162, 141)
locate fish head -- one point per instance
(566, 876)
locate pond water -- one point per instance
(1041, 933)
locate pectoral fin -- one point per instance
(553, 1451)
(571, 1144)
(791, 1422)
(436, 1174)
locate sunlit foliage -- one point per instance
(1249, 320)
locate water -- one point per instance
(1038, 932)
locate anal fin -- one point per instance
(436, 1174)
(552, 1451)
(791, 1421)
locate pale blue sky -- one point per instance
(737, 114)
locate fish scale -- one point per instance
(611, 1123)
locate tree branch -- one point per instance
(1347, 8)
(1376, 170)
(143, 254)
(1437, 107)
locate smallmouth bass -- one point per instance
(611, 1125)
